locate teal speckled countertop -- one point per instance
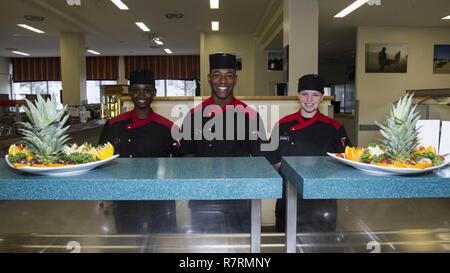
(151, 179)
(326, 178)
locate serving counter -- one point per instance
(156, 179)
(326, 178)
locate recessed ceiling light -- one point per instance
(93, 52)
(214, 4)
(446, 17)
(31, 28)
(20, 53)
(350, 8)
(120, 4)
(215, 25)
(168, 51)
(142, 26)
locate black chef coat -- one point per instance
(247, 145)
(312, 137)
(134, 137)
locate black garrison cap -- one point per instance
(222, 61)
(311, 82)
(142, 77)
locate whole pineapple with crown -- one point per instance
(400, 144)
(400, 135)
(45, 134)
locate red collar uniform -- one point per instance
(134, 137)
(247, 144)
(308, 137)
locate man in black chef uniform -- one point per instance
(226, 127)
(142, 133)
(308, 133)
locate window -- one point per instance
(22, 89)
(93, 90)
(174, 88)
(179, 88)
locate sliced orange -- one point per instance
(353, 153)
(20, 165)
(422, 165)
(104, 151)
(422, 150)
(39, 165)
(58, 165)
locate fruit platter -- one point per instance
(399, 152)
(44, 147)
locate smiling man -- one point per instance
(309, 133)
(221, 126)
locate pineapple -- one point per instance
(399, 131)
(44, 134)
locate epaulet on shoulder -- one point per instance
(163, 121)
(328, 120)
(121, 117)
(288, 118)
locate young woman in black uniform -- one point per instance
(309, 133)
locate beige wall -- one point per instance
(238, 43)
(264, 79)
(253, 79)
(4, 76)
(377, 91)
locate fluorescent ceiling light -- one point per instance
(214, 4)
(120, 4)
(31, 28)
(351, 8)
(215, 25)
(158, 41)
(446, 18)
(20, 53)
(168, 51)
(142, 26)
(93, 52)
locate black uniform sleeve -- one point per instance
(105, 136)
(173, 145)
(109, 134)
(274, 155)
(342, 140)
(187, 143)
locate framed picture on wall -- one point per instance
(386, 58)
(441, 62)
(275, 60)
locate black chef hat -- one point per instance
(142, 77)
(311, 82)
(222, 61)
